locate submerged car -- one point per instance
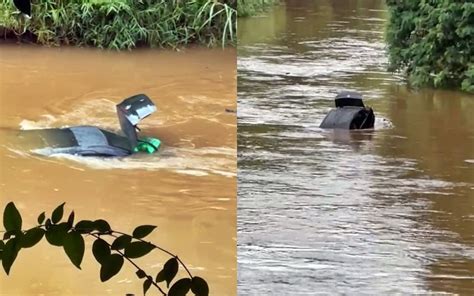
(94, 141)
(350, 113)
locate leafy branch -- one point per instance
(110, 248)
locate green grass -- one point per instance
(253, 7)
(123, 24)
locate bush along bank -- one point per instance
(122, 24)
(432, 41)
(253, 7)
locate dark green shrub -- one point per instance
(433, 42)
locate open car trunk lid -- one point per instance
(130, 112)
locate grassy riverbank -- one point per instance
(122, 24)
(253, 7)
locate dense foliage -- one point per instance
(110, 248)
(433, 41)
(252, 7)
(122, 24)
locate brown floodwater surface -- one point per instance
(381, 212)
(187, 189)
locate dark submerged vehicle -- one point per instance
(350, 113)
(93, 141)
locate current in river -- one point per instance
(381, 212)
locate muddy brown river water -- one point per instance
(383, 212)
(188, 189)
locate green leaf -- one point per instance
(138, 249)
(102, 226)
(2, 245)
(74, 248)
(142, 231)
(169, 271)
(41, 218)
(8, 234)
(101, 250)
(110, 267)
(57, 214)
(146, 286)
(180, 288)
(121, 242)
(70, 219)
(31, 237)
(84, 226)
(11, 217)
(48, 223)
(56, 234)
(140, 273)
(9, 253)
(199, 286)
